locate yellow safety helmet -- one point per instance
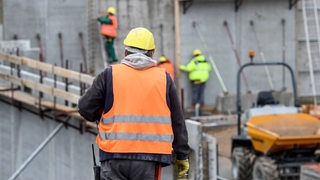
(111, 10)
(140, 38)
(196, 52)
(162, 59)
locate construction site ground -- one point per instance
(222, 128)
(223, 137)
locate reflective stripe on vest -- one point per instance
(132, 136)
(139, 119)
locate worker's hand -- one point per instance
(181, 167)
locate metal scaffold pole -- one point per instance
(92, 30)
(212, 62)
(36, 152)
(244, 77)
(310, 63)
(262, 55)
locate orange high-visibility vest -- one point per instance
(139, 119)
(110, 29)
(168, 66)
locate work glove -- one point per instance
(181, 167)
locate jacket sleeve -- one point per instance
(180, 142)
(104, 20)
(189, 67)
(91, 104)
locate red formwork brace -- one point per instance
(61, 49)
(262, 55)
(225, 23)
(83, 52)
(211, 60)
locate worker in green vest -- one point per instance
(199, 70)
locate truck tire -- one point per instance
(242, 164)
(264, 168)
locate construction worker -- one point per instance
(198, 69)
(165, 63)
(108, 29)
(140, 117)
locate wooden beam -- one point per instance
(34, 101)
(27, 98)
(49, 68)
(42, 87)
(177, 44)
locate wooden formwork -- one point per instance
(14, 78)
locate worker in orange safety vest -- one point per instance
(165, 63)
(141, 123)
(108, 29)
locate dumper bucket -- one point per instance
(279, 132)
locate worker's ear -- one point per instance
(150, 53)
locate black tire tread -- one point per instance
(268, 167)
(244, 157)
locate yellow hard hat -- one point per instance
(196, 52)
(140, 38)
(111, 10)
(162, 59)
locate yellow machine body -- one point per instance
(272, 133)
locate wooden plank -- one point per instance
(66, 73)
(49, 68)
(22, 97)
(34, 101)
(43, 88)
(86, 78)
(66, 95)
(177, 44)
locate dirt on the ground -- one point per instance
(222, 128)
(223, 135)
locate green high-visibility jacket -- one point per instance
(198, 69)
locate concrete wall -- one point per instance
(70, 17)
(48, 18)
(210, 16)
(151, 14)
(69, 153)
(67, 156)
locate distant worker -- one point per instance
(165, 63)
(108, 29)
(140, 118)
(199, 70)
